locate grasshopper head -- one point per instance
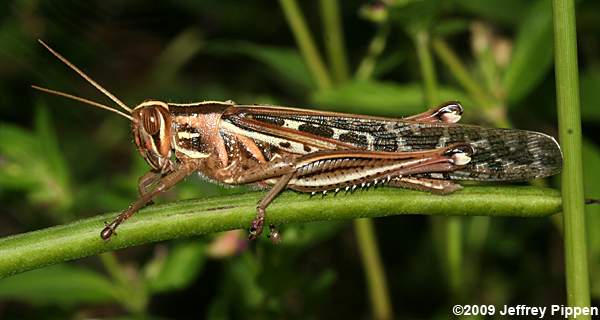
(151, 128)
(150, 120)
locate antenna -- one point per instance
(84, 76)
(84, 100)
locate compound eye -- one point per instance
(151, 120)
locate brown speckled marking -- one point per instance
(354, 138)
(321, 131)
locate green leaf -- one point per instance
(416, 15)
(319, 287)
(15, 150)
(532, 55)
(61, 284)
(590, 95)
(285, 62)
(182, 265)
(504, 11)
(16, 41)
(450, 27)
(388, 63)
(241, 291)
(381, 98)
(32, 162)
(245, 271)
(48, 144)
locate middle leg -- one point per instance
(257, 224)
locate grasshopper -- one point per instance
(317, 152)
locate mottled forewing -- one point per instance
(500, 154)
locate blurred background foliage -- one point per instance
(60, 161)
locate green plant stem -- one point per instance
(195, 217)
(460, 72)
(426, 63)
(569, 122)
(451, 226)
(376, 47)
(375, 275)
(376, 280)
(334, 39)
(306, 43)
(454, 255)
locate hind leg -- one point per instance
(425, 184)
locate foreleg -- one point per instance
(163, 184)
